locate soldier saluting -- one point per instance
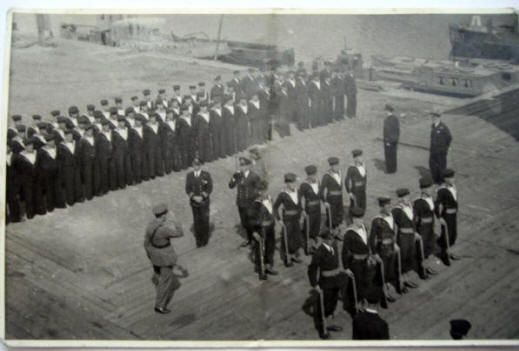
(246, 181)
(162, 256)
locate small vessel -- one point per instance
(462, 78)
(259, 55)
(485, 41)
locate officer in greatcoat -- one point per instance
(440, 142)
(391, 136)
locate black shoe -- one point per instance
(271, 271)
(334, 328)
(411, 284)
(324, 336)
(288, 264)
(431, 271)
(445, 259)
(423, 274)
(245, 243)
(162, 310)
(263, 277)
(454, 257)
(296, 260)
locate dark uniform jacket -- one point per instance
(369, 326)
(291, 209)
(246, 187)
(217, 92)
(424, 215)
(157, 243)
(446, 200)
(312, 199)
(404, 223)
(440, 138)
(391, 129)
(323, 260)
(199, 186)
(334, 189)
(382, 237)
(260, 216)
(354, 244)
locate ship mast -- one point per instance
(218, 37)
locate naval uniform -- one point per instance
(12, 188)
(199, 183)
(152, 144)
(391, 137)
(186, 138)
(302, 104)
(355, 183)
(255, 112)
(404, 220)
(229, 122)
(338, 89)
(310, 193)
(290, 216)
(440, 141)
(246, 185)
(351, 95)
(201, 130)
(217, 92)
(368, 325)
(122, 156)
(50, 178)
(324, 270)
(138, 155)
(382, 242)
(316, 103)
(242, 127)
(68, 156)
(424, 218)
(106, 164)
(261, 218)
(27, 171)
(89, 166)
(446, 207)
(163, 257)
(170, 147)
(332, 183)
(217, 133)
(355, 253)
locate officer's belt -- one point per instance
(312, 203)
(266, 223)
(427, 220)
(406, 230)
(360, 256)
(291, 213)
(387, 241)
(358, 183)
(335, 192)
(451, 210)
(330, 273)
(160, 246)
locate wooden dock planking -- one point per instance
(209, 307)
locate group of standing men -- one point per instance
(73, 157)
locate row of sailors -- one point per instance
(401, 238)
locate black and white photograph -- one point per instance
(241, 176)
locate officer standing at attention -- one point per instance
(199, 186)
(440, 141)
(391, 136)
(162, 256)
(368, 325)
(246, 181)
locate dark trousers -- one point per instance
(165, 284)
(313, 220)
(201, 224)
(390, 268)
(337, 211)
(293, 235)
(452, 226)
(390, 154)
(428, 238)
(338, 112)
(330, 297)
(12, 203)
(137, 167)
(365, 276)
(244, 219)
(408, 255)
(72, 183)
(351, 108)
(269, 248)
(89, 177)
(437, 164)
